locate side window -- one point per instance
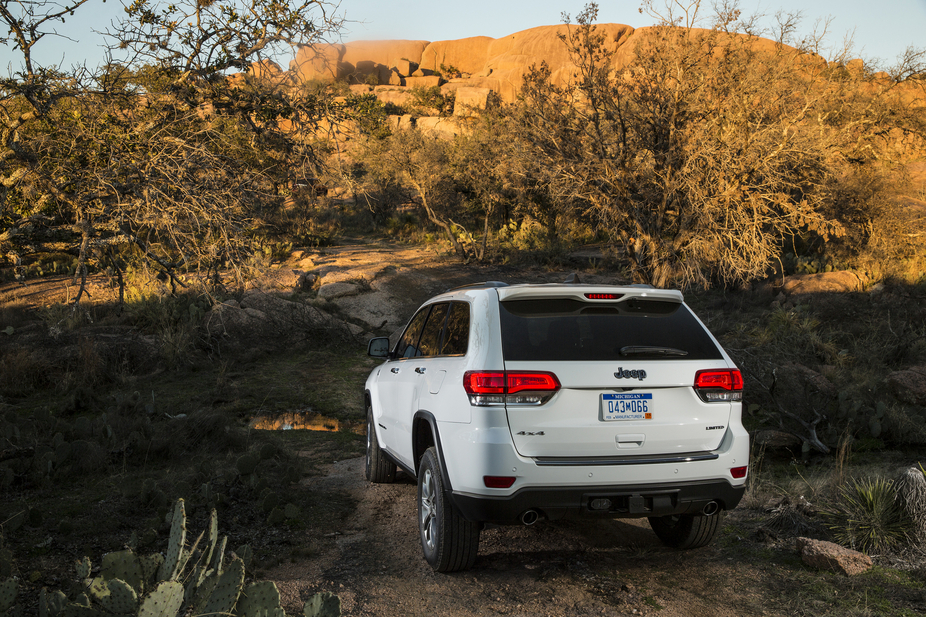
(456, 336)
(433, 328)
(408, 344)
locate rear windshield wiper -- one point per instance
(644, 350)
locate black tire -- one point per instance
(449, 541)
(686, 531)
(379, 469)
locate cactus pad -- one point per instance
(245, 553)
(227, 588)
(212, 539)
(150, 564)
(55, 601)
(203, 591)
(323, 604)
(170, 568)
(268, 450)
(83, 568)
(98, 588)
(122, 598)
(246, 464)
(125, 566)
(219, 555)
(258, 599)
(165, 601)
(8, 591)
(6, 563)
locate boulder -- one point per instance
(425, 81)
(825, 282)
(405, 67)
(379, 57)
(828, 556)
(468, 100)
(399, 123)
(396, 96)
(281, 279)
(466, 55)
(909, 385)
(329, 291)
(318, 62)
(440, 127)
(395, 79)
(361, 89)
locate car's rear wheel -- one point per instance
(686, 530)
(449, 541)
(379, 469)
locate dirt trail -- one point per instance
(372, 559)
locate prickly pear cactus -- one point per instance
(323, 604)
(171, 565)
(8, 591)
(213, 537)
(245, 553)
(258, 599)
(6, 563)
(125, 566)
(122, 599)
(150, 564)
(164, 601)
(226, 591)
(83, 568)
(247, 464)
(54, 602)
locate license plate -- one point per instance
(635, 406)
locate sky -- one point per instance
(879, 30)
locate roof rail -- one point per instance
(483, 284)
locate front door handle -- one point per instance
(420, 370)
(394, 369)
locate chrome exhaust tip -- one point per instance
(710, 509)
(530, 517)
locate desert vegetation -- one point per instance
(722, 159)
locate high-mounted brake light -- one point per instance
(600, 296)
(511, 387)
(719, 385)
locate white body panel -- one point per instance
(479, 441)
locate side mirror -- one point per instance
(378, 347)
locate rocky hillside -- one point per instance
(476, 68)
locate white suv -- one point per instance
(512, 403)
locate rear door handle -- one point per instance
(394, 369)
(420, 370)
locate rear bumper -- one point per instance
(631, 501)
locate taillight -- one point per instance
(738, 472)
(509, 387)
(719, 385)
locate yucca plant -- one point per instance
(867, 516)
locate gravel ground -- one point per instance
(373, 560)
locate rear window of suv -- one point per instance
(563, 329)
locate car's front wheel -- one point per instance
(379, 469)
(686, 530)
(450, 542)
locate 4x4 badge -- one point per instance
(634, 374)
